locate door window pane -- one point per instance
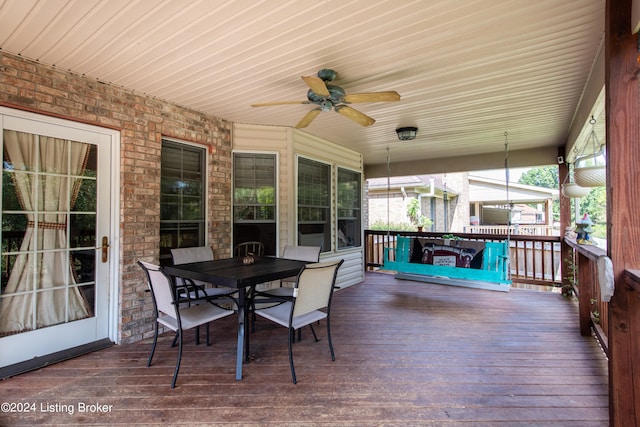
(44, 181)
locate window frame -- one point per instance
(357, 220)
(310, 223)
(262, 224)
(202, 221)
(256, 204)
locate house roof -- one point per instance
(417, 183)
(487, 190)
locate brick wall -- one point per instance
(142, 121)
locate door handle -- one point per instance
(105, 248)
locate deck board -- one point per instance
(407, 353)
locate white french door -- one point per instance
(56, 234)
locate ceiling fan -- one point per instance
(328, 97)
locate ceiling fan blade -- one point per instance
(317, 85)
(269, 104)
(308, 118)
(355, 115)
(389, 96)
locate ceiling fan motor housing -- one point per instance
(329, 97)
(336, 93)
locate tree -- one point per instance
(546, 177)
(595, 204)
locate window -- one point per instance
(182, 197)
(254, 199)
(349, 208)
(314, 204)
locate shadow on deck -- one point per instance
(407, 353)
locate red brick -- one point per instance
(142, 121)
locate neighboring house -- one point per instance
(490, 199)
(441, 199)
(529, 215)
(457, 201)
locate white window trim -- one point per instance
(335, 242)
(277, 213)
(332, 195)
(206, 180)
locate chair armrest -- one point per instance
(184, 291)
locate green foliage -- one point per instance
(396, 226)
(570, 278)
(599, 230)
(595, 204)
(413, 210)
(451, 237)
(544, 176)
(424, 222)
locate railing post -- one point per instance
(585, 294)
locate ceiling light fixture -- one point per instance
(407, 133)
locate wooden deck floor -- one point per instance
(407, 354)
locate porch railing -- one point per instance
(592, 310)
(520, 229)
(533, 259)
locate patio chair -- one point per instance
(246, 248)
(300, 253)
(174, 315)
(195, 289)
(310, 303)
(277, 295)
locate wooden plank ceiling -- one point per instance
(467, 71)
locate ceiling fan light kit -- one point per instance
(407, 133)
(329, 97)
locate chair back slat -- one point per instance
(160, 288)
(315, 287)
(195, 254)
(302, 253)
(246, 248)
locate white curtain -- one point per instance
(46, 183)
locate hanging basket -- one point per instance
(590, 176)
(590, 169)
(574, 191)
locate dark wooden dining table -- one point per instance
(233, 273)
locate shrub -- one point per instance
(396, 226)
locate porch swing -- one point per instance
(449, 262)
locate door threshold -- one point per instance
(49, 359)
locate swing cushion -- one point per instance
(464, 253)
(446, 256)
